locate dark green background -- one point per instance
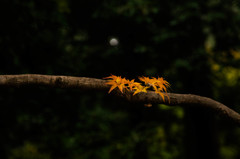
(193, 44)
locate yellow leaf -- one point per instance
(139, 89)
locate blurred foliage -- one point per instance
(193, 44)
(27, 151)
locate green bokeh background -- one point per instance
(195, 45)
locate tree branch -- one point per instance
(84, 83)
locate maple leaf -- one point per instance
(162, 84)
(116, 81)
(139, 89)
(113, 77)
(160, 79)
(148, 81)
(132, 84)
(159, 91)
(129, 83)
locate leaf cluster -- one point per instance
(159, 85)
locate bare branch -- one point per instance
(187, 100)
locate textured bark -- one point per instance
(188, 100)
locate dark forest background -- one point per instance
(195, 45)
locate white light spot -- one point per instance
(113, 42)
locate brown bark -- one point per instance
(189, 100)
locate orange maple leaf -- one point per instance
(159, 91)
(116, 81)
(148, 82)
(132, 84)
(161, 82)
(113, 77)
